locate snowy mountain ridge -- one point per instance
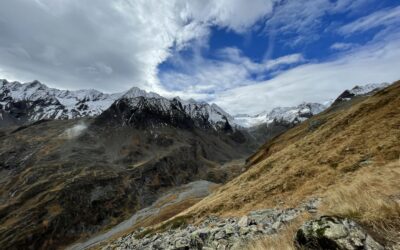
(50, 103)
(294, 115)
(42, 102)
(368, 88)
(302, 112)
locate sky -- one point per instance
(247, 56)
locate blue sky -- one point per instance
(246, 56)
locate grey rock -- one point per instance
(244, 230)
(330, 232)
(244, 221)
(276, 225)
(229, 230)
(182, 243)
(219, 235)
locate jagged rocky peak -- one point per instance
(204, 110)
(295, 114)
(136, 92)
(360, 90)
(34, 101)
(152, 106)
(150, 109)
(142, 112)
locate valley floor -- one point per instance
(173, 202)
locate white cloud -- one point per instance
(237, 15)
(385, 17)
(75, 44)
(285, 60)
(74, 131)
(342, 46)
(303, 19)
(317, 82)
(203, 77)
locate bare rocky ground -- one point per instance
(214, 232)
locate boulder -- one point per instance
(334, 233)
(244, 221)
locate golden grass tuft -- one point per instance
(372, 199)
(284, 240)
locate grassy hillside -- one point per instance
(350, 150)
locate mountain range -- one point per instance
(74, 163)
(33, 101)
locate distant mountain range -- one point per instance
(297, 114)
(33, 101)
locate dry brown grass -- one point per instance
(363, 138)
(168, 199)
(372, 199)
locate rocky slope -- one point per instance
(214, 232)
(66, 179)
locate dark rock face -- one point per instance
(23, 111)
(346, 95)
(141, 112)
(333, 233)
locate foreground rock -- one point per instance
(214, 232)
(334, 233)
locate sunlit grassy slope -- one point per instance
(348, 142)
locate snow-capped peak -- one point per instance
(365, 89)
(136, 92)
(43, 102)
(359, 91)
(50, 103)
(281, 114)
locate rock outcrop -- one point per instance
(214, 232)
(334, 233)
